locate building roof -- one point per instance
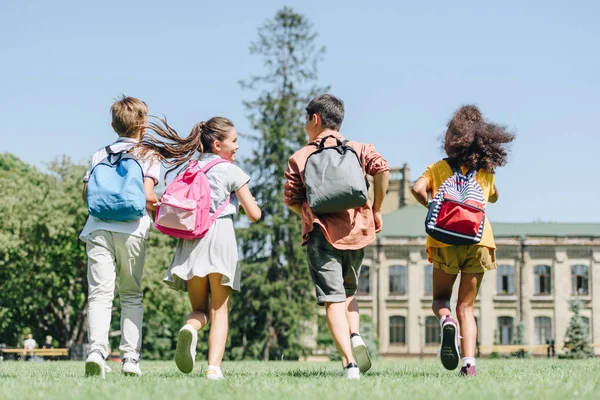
(409, 221)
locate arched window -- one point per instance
(579, 280)
(505, 329)
(543, 329)
(397, 279)
(428, 284)
(432, 330)
(397, 330)
(364, 281)
(505, 280)
(543, 280)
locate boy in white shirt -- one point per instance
(117, 249)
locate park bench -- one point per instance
(60, 352)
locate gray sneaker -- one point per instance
(449, 344)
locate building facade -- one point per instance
(541, 266)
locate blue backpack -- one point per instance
(115, 189)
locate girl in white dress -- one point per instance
(207, 268)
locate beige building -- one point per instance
(541, 266)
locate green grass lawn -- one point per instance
(410, 379)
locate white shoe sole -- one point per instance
(361, 354)
(93, 368)
(184, 357)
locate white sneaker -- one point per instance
(361, 354)
(131, 367)
(95, 365)
(185, 354)
(351, 371)
(214, 373)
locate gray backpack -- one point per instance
(334, 178)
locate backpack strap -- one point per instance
(322, 144)
(220, 210)
(205, 169)
(212, 164)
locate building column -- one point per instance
(561, 290)
(525, 293)
(595, 292)
(380, 326)
(414, 284)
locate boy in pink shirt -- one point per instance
(335, 242)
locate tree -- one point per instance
(43, 264)
(43, 268)
(577, 337)
(269, 316)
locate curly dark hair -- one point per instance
(474, 142)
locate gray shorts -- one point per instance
(334, 272)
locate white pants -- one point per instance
(112, 255)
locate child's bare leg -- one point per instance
(198, 293)
(442, 291)
(465, 310)
(352, 314)
(219, 319)
(338, 325)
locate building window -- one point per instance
(505, 329)
(579, 280)
(428, 279)
(432, 330)
(543, 329)
(542, 279)
(364, 281)
(397, 330)
(397, 279)
(505, 279)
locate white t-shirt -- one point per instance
(30, 344)
(140, 227)
(225, 179)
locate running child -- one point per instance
(336, 241)
(116, 248)
(474, 148)
(207, 268)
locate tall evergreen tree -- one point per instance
(577, 337)
(269, 317)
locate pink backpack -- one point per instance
(184, 210)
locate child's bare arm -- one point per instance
(420, 190)
(84, 192)
(249, 204)
(151, 199)
(494, 196)
(382, 180)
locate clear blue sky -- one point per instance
(401, 67)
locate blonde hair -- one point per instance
(128, 115)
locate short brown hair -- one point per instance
(128, 113)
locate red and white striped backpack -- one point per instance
(457, 213)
